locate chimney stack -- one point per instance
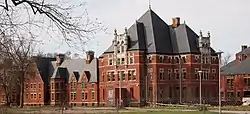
(175, 22)
(89, 56)
(59, 59)
(243, 47)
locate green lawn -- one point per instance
(169, 112)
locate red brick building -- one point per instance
(75, 82)
(236, 78)
(35, 85)
(153, 62)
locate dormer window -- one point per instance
(177, 60)
(161, 59)
(149, 58)
(184, 59)
(196, 59)
(169, 59)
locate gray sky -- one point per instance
(227, 20)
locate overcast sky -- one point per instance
(227, 20)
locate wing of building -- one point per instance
(235, 77)
(155, 62)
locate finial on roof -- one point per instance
(208, 34)
(126, 30)
(149, 4)
(200, 33)
(184, 22)
(115, 32)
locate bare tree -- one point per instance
(65, 19)
(23, 21)
(19, 51)
(226, 59)
(7, 80)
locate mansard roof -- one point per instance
(150, 33)
(245, 51)
(234, 68)
(77, 67)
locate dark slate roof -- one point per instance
(46, 67)
(245, 51)
(61, 72)
(152, 34)
(242, 67)
(79, 65)
(184, 39)
(229, 65)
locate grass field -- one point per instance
(169, 112)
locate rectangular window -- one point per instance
(103, 94)
(93, 95)
(52, 85)
(161, 93)
(176, 72)
(129, 75)
(131, 60)
(113, 76)
(110, 62)
(238, 94)
(39, 86)
(132, 93)
(83, 96)
(93, 85)
(27, 96)
(56, 85)
(34, 86)
(27, 86)
(123, 61)
(40, 96)
(133, 75)
(161, 75)
(169, 74)
(52, 96)
(33, 96)
(109, 76)
(123, 75)
(74, 96)
(31, 86)
(86, 85)
(57, 96)
(122, 49)
(184, 73)
(213, 73)
(196, 73)
(118, 61)
(83, 85)
(86, 96)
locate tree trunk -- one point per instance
(21, 91)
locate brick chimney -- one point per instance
(243, 47)
(89, 56)
(59, 59)
(175, 22)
